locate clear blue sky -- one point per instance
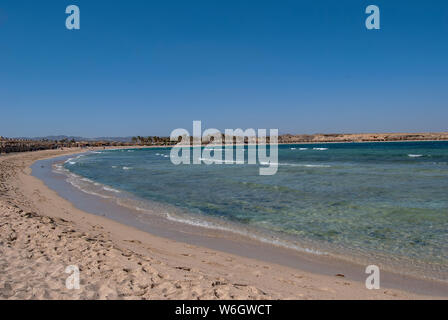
(148, 67)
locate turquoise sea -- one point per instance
(378, 203)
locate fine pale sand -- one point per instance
(41, 234)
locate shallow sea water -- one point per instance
(379, 203)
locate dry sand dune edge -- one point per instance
(41, 234)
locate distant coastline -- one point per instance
(364, 137)
(12, 145)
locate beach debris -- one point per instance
(12, 236)
(183, 268)
(31, 215)
(240, 285)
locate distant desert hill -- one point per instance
(361, 137)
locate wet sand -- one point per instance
(121, 257)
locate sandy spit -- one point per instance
(41, 234)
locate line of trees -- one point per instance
(152, 140)
(165, 141)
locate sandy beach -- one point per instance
(41, 234)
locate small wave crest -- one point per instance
(70, 161)
(215, 226)
(111, 189)
(83, 184)
(162, 155)
(296, 165)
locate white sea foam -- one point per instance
(415, 155)
(293, 148)
(302, 149)
(210, 225)
(58, 169)
(320, 149)
(70, 161)
(296, 165)
(162, 155)
(80, 183)
(83, 184)
(127, 168)
(75, 181)
(111, 189)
